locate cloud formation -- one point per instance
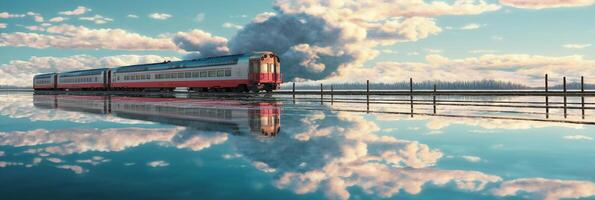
(21, 72)
(318, 38)
(77, 11)
(160, 16)
(97, 19)
(543, 4)
(517, 68)
(70, 36)
(203, 44)
(576, 46)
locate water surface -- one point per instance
(100, 147)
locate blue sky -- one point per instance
(540, 37)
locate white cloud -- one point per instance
(547, 189)
(542, 4)
(36, 16)
(576, 46)
(6, 15)
(471, 26)
(497, 38)
(201, 42)
(2, 153)
(95, 160)
(132, 16)
(98, 19)
(231, 156)
(471, 158)
(3, 25)
(58, 19)
(231, 25)
(77, 11)
(263, 17)
(160, 16)
(158, 163)
(200, 17)
(483, 51)
(577, 137)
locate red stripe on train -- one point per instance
(165, 84)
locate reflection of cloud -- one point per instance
(95, 160)
(263, 167)
(231, 156)
(2, 153)
(437, 123)
(577, 137)
(6, 164)
(82, 140)
(378, 164)
(75, 168)
(55, 160)
(158, 163)
(69, 141)
(199, 142)
(548, 189)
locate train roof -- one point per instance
(195, 63)
(47, 75)
(83, 72)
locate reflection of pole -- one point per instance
(293, 90)
(368, 95)
(434, 96)
(564, 85)
(321, 94)
(583, 96)
(411, 94)
(332, 94)
(547, 99)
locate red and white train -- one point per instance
(254, 72)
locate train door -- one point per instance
(107, 78)
(254, 70)
(55, 81)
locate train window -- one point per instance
(203, 74)
(188, 74)
(263, 68)
(228, 72)
(180, 74)
(212, 73)
(195, 74)
(220, 73)
(148, 76)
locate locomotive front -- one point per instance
(265, 71)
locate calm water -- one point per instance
(97, 147)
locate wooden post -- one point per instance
(583, 96)
(547, 99)
(332, 94)
(321, 95)
(368, 95)
(564, 86)
(434, 98)
(293, 90)
(411, 94)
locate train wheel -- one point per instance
(241, 89)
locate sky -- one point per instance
(317, 40)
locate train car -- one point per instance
(45, 81)
(92, 79)
(242, 72)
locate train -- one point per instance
(248, 72)
(261, 119)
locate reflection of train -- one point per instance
(242, 72)
(262, 119)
